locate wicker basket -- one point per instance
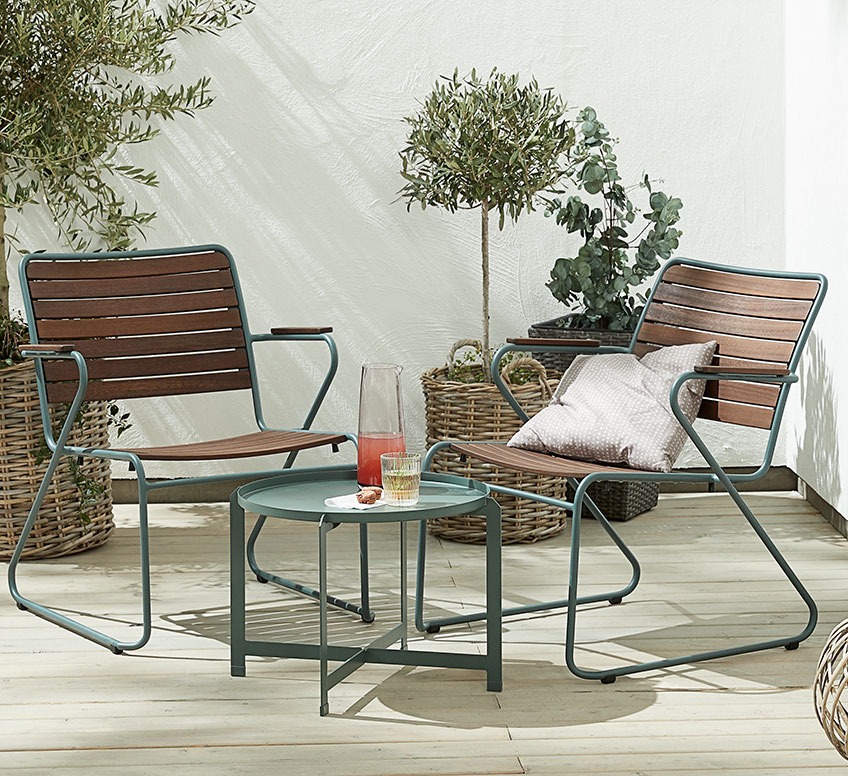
(59, 530)
(622, 500)
(478, 411)
(830, 698)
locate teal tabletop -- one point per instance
(301, 495)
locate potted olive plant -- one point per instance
(491, 144)
(77, 84)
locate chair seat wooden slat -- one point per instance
(531, 461)
(245, 446)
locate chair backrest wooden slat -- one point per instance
(724, 323)
(122, 266)
(762, 307)
(145, 388)
(152, 366)
(106, 288)
(744, 350)
(170, 344)
(147, 305)
(133, 326)
(148, 323)
(757, 318)
(738, 414)
(750, 285)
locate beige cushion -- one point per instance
(614, 408)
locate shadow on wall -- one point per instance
(818, 448)
(301, 188)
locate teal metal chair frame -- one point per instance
(79, 387)
(671, 316)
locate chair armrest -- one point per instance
(300, 334)
(743, 370)
(555, 342)
(284, 330)
(45, 349)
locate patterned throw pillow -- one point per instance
(614, 408)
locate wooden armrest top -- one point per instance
(302, 330)
(555, 341)
(46, 347)
(777, 371)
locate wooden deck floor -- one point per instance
(70, 707)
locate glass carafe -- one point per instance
(380, 419)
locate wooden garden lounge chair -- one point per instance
(146, 324)
(760, 321)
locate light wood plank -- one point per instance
(68, 707)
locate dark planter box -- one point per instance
(556, 327)
(617, 500)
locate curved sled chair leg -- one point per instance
(613, 597)
(112, 643)
(609, 675)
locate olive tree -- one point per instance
(493, 144)
(80, 80)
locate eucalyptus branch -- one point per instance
(599, 284)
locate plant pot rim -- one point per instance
(557, 323)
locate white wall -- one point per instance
(295, 168)
(816, 170)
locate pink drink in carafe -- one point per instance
(371, 447)
(380, 420)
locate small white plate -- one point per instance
(349, 502)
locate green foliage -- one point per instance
(492, 144)
(598, 283)
(471, 367)
(476, 142)
(13, 334)
(79, 81)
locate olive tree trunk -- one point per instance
(4, 277)
(484, 245)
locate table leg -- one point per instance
(403, 592)
(365, 596)
(494, 602)
(421, 562)
(324, 527)
(237, 636)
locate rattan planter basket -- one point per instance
(477, 411)
(59, 530)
